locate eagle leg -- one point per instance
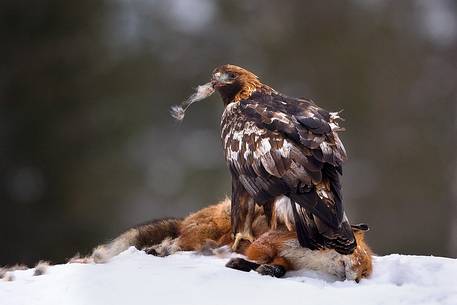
(246, 232)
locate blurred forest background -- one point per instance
(87, 147)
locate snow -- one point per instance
(187, 278)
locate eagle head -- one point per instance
(234, 83)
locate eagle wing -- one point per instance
(279, 145)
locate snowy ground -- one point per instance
(185, 278)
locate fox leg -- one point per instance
(266, 253)
(241, 264)
(273, 269)
(263, 258)
(277, 268)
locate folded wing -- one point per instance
(287, 146)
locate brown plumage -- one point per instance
(278, 146)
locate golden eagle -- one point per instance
(279, 147)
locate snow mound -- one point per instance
(186, 278)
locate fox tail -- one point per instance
(140, 236)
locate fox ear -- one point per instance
(361, 227)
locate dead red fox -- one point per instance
(273, 252)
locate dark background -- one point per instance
(87, 147)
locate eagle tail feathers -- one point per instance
(313, 233)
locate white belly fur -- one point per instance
(328, 261)
(284, 213)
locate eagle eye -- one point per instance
(231, 75)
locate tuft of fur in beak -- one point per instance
(202, 92)
(177, 112)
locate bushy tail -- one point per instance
(141, 236)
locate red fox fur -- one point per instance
(274, 251)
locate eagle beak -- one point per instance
(220, 79)
(217, 80)
(217, 76)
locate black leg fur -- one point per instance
(271, 270)
(241, 264)
(151, 251)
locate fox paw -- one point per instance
(151, 251)
(241, 264)
(271, 270)
(157, 251)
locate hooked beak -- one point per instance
(216, 81)
(217, 76)
(220, 79)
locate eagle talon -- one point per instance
(239, 237)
